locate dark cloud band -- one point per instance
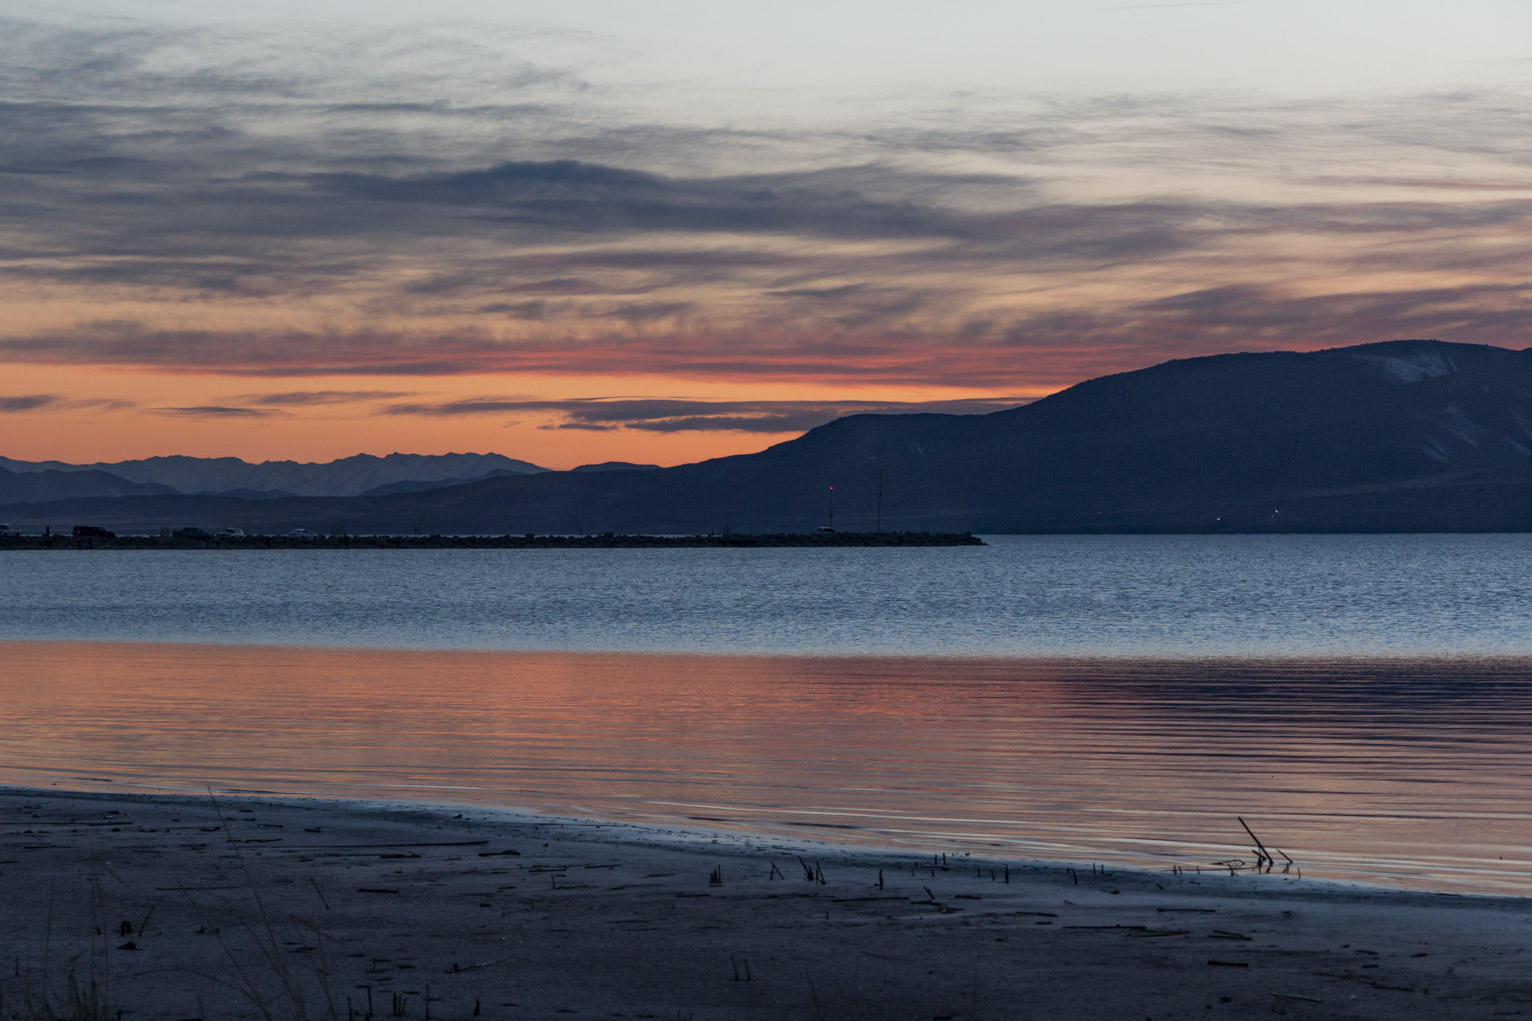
(534, 224)
(26, 402)
(671, 415)
(216, 411)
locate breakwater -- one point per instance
(529, 541)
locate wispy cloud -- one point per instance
(26, 402)
(1156, 7)
(185, 199)
(669, 415)
(304, 398)
(99, 404)
(216, 411)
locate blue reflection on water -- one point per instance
(1020, 595)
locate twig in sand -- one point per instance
(1260, 849)
(1265, 861)
(458, 969)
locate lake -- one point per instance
(1178, 596)
(1362, 701)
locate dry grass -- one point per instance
(77, 1001)
(79, 987)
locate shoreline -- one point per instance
(538, 730)
(1488, 658)
(523, 915)
(1194, 859)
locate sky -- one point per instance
(597, 230)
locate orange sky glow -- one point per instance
(223, 237)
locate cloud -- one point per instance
(312, 397)
(727, 423)
(1499, 313)
(576, 196)
(216, 411)
(642, 312)
(99, 404)
(488, 206)
(53, 402)
(840, 293)
(1022, 350)
(1156, 7)
(669, 415)
(26, 402)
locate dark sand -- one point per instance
(320, 909)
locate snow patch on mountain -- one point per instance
(1413, 368)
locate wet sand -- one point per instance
(179, 908)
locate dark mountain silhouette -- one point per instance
(421, 485)
(1399, 436)
(31, 487)
(357, 475)
(615, 466)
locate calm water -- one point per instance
(1364, 701)
(1406, 772)
(1042, 596)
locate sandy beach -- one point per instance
(183, 907)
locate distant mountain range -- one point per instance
(360, 475)
(1399, 436)
(65, 484)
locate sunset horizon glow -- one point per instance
(582, 232)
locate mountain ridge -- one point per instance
(346, 476)
(1397, 436)
(52, 484)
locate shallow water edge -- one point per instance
(1400, 771)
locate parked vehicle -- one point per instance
(191, 533)
(93, 532)
(231, 533)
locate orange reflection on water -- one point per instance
(1377, 770)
